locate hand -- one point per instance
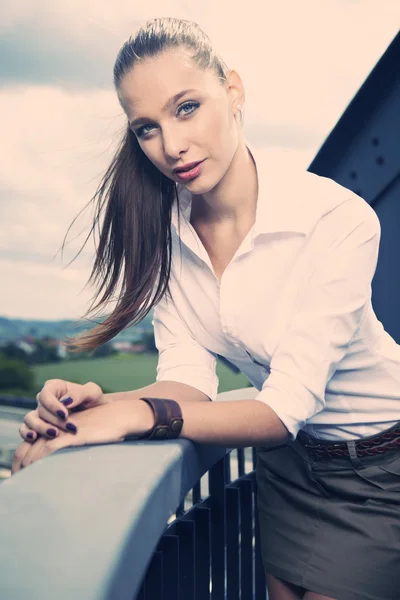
(56, 395)
(102, 424)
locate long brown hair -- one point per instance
(135, 237)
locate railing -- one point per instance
(12, 411)
(212, 549)
(166, 520)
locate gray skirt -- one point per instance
(329, 526)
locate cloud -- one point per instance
(301, 63)
(58, 145)
(34, 290)
(73, 44)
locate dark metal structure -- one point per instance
(212, 550)
(362, 153)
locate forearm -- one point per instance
(162, 389)
(232, 424)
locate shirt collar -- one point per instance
(282, 204)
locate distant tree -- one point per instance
(148, 341)
(44, 353)
(99, 352)
(15, 373)
(104, 351)
(12, 351)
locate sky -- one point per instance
(301, 63)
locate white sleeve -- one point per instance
(327, 314)
(181, 357)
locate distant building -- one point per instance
(129, 347)
(27, 347)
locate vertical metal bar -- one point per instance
(254, 456)
(180, 509)
(153, 580)
(202, 552)
(240, 459)
(232, 542)
(169, 546)
(246, 538)
(227, 465)
(260, 587)
(187, 565)
(217, 507)
(196, 493)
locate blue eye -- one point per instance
(142, 132)
(195, 104)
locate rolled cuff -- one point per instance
(193, 373)
(290, 400)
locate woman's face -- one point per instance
(200, 125)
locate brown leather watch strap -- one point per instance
(168, 418)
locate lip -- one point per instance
(187, 166)
(191, 174)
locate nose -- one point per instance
(173, 144)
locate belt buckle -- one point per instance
(307, 442)
(312, 444)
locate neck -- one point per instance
(234, 199)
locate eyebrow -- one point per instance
(170, 103)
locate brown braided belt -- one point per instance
(378, 444)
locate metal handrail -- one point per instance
(86, 520)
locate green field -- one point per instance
(122, 372)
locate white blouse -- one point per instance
(293, 310)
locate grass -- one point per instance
(114, 374)
(119, 373)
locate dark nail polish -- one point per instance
(67, 401)
(71, 427)
(29, 435)
(52, 432)
(61, 414)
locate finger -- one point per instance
(39, 450)
(84, 396)
(33, 422)
(27, 434)
(58, 396)
(19, 455)
(59, 423)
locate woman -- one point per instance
(271, 270)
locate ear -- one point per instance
(235, 90)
